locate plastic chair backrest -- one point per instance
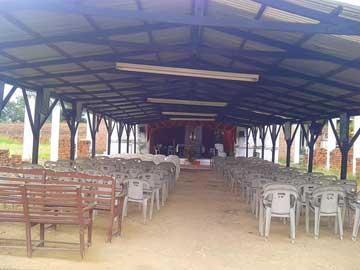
(136, 189)
(327, 198)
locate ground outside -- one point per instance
(203, 226)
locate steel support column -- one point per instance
(344, 141)
(254, 135)
(4, 101)
(314, 130)
(274, 133)
(247, 141)
(289, 138)
(262, 132)
(120, 129)
(127, 130)
(134, 132)
(110, 126)
(72, 117)
(94, 124)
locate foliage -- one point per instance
(14, 111)
(15, 147)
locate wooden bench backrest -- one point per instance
(96, 190)
(12, 200)
(19, 175)
(54, 204)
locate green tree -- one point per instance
(14, 111)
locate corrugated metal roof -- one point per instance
(273, 14)
(152, 40)
(311, 67)
(241, 8)
(330, 44)
(219, 39)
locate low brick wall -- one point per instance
(335, 160)
(7, 160)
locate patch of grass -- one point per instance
(15, 147)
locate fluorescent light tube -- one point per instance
(187, 102)
(188, 72)
(190, 114)
(192, 119)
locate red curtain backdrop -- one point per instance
(229, 140)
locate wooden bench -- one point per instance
(12, 210)
(42, 204)
(99, 191)
(57, 205)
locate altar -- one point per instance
(193, 139)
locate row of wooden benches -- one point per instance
(40, 197)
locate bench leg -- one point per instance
(28, 240)
(82, 242)
(42, 235)
(110, 230)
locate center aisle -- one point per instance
(202, 227)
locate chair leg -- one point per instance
(292, 225)
(356, 224)
(267, 222)
(144, 205)
(340, 223)
(158, 199)
(298, 211)
(125, 207)
(261, 218)
(152, 205)
(317, 222)
(307, 216)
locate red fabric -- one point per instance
(229, 140)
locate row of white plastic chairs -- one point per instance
(276, 191)
(145, 180)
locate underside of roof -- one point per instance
(306, 53)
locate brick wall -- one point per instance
(335, 159)
(282, 146)
(15, 131)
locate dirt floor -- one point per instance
(203, 226)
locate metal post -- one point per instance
(120, 129)
(263, 131)
(254, 135)
(274, 132)
(110, 128)
(134, 131)
(247, 142)
(127, 129)
(344, 139)
(94, 124)
(289, 138)
(37, 126)
(2, 89)
(72, 118)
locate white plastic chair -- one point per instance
(326, 202)
(136, 195)
(280, 201)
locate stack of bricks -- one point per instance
(15, 160)
(335, 160)
(320, 157)
(4, 157)
(64, 149)
(83, 151)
